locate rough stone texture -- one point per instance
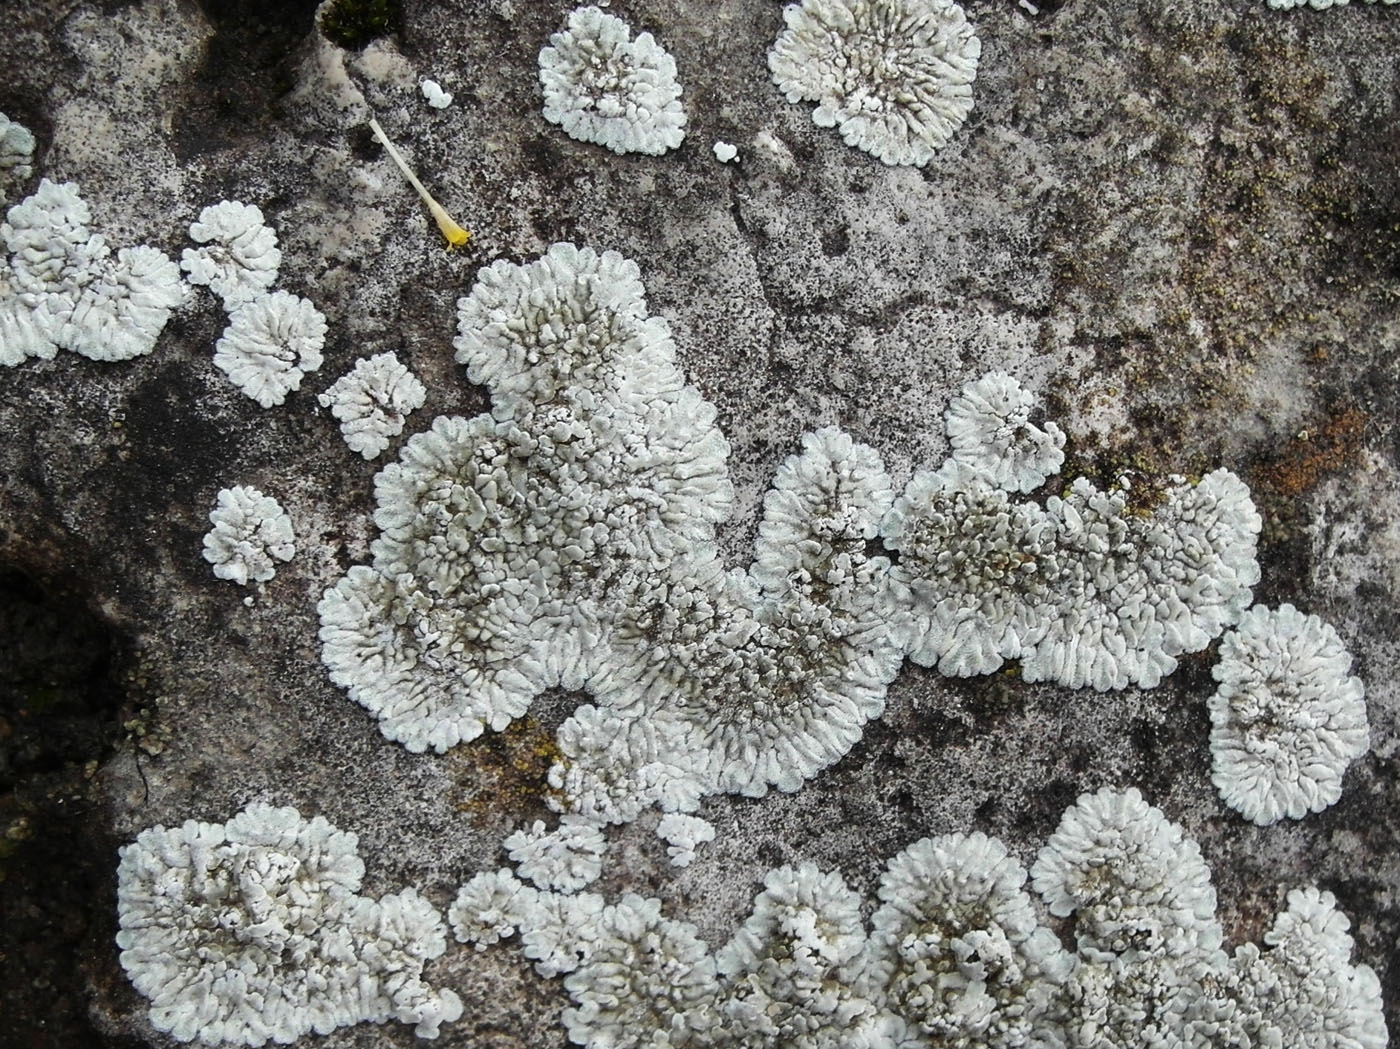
(1177, 222)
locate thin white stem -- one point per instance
(454, 233)
(399, 160)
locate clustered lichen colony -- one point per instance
(522, 551)
(955, 954)
(567, 540)
(62, 288)
(254, 930)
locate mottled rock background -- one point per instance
(1178, 222)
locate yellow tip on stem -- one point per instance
(455, 234)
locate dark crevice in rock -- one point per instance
(1046, 807)
(352, 24)
(55, 686)
(248, 67)
(363, 145)
(61, 704)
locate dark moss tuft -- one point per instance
(354, 23)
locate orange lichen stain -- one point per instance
(504, 771)
(1314, 453)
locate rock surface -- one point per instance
(1178, 225)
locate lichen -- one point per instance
(601, 86)
(61, 287)
(434, 94)
(1319, 5)
(683, 835)
(251, 533)
(1084, 591)
(238, 257)
(789, 970)
(989, 430)
(642, 974)
(956, 955)
(564, 859)
(372, 401)
(1287, 719)
(271, 341)
(1302, 990)
(254, 931)
(895, 75)
(565, 520)
(567, 540)
(956, 950)
(16, 154)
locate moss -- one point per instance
(512, 766)
(352, 24)
(1147, 467)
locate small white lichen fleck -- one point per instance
(250, 531)
(725, 151)
(1287, 719)
(436, 96)
(372, 402)
(16, 153)
(254, 931)
(270, 342)
(602, 86)
(238, 257)
(895, 75)
(683, 835)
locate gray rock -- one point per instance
(1176, 223)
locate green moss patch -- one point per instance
(352, 24)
